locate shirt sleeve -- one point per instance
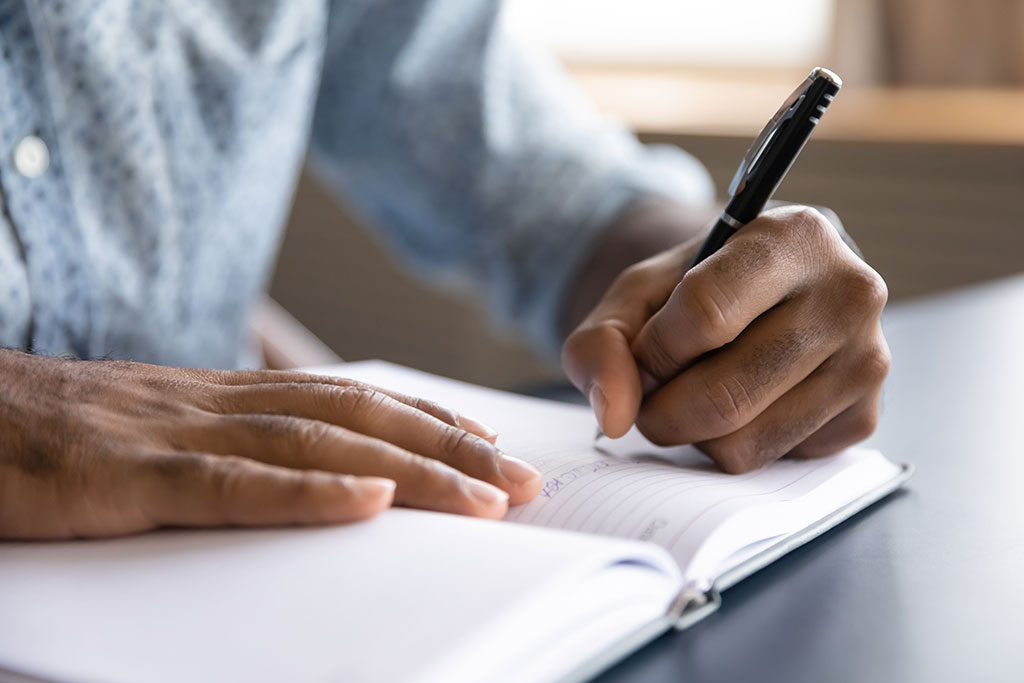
(476, 158)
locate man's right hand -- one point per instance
(102, 448)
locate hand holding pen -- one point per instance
(769, 344)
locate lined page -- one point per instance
(628, 488)
(676, 499)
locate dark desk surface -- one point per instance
(929, 584)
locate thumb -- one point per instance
(598, 360)
(597, 356)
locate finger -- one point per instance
(762, 265)
(310, 444)
(836, 406)
(728, 389)
(241, 378)
(849, 427)
(599, 362)
(597, 357)
(366, 410)
(199, 489)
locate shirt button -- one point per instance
(31, 157)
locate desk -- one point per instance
(926, 586)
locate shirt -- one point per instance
(149, 150)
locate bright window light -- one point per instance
(726, 33)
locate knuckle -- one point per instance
(811, 219)
(310, 434)
(732, 455)
(604, 335)
(590, 336)
(359, 399)
(214, 398)
(656, 355)
(268, 425)
(636, 275)
(810, 233)
(865, 290)
(657, 430)
(811, 225)
(863, 424)
(221, 475)
(436, 410)
(853, 426)
(774, 438)
(629, 275)
(875, 364)
(830, 215)
(583, 349)
(176, 467)
(725, 404)
(298, 491)
(301, 434)
(225, 479)
(322, 396)
(426, 474)
(452, 440)
(704, 305)
(204, 376)
(575, 343)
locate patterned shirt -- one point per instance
(149, 150)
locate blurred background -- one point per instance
(922, 156)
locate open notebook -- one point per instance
(423, 596)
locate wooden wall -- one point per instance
(928, 216)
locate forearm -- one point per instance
(647, 227)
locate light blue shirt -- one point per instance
(175, 131)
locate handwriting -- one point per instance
(655, 525)
(556, 483)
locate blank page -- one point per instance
(408, 596)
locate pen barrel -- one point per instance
(718, 236)
(781, 151)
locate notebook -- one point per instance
(625, 541)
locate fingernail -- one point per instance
(597, 402)
(485, 493)
(517, 471)
(375, 487)
(478, 428)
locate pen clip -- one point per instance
(767, 135)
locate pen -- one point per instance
(771, 156)
(769, 159)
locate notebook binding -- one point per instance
(693, 604)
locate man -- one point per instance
(153, 150)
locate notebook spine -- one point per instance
(693, 604)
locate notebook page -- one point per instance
(628, 488)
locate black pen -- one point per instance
(770, 157)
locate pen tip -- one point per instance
(598, 434)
